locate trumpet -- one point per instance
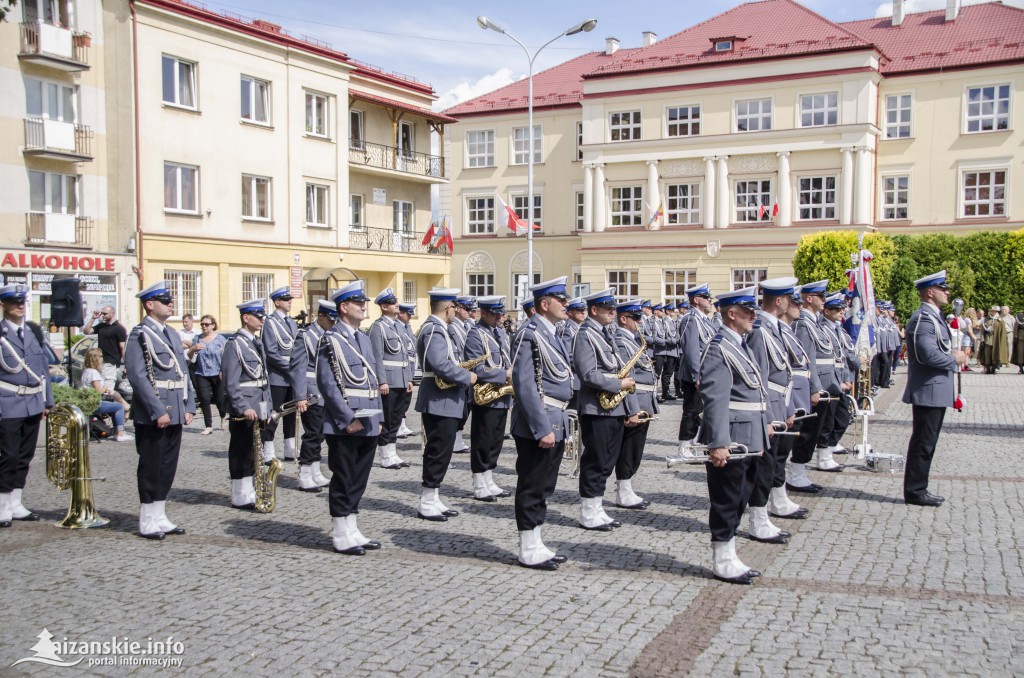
(645, 417)
(826, 397)
(700, 455)
(801, 413)
(291, 406)
(780, 428)
(466, 365)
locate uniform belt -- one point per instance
(746, 407)
(647, 388)
(362, 392)
(427, 375)
(310, 375)
(395, 363)
(555, 402)
(256, 383)
(21, 390)
(772, 386)
(611, 375)
(169, 385)
(825, 361)
(802, 373)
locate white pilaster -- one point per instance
(588, 198)
(709, 192)
(862, 191)
(653, 197)
(600, 222)
(784, 191)
(722, 186)
(846, 187)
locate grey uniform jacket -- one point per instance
(243, 370)
(302, 368)
(481, 340)
(768, 349)
(930, 362)
(695, 334)
(626, 345)
(566, 332)
(438, 357)
(659, 328)
(172, 392)
(358, 387)
(542, 380)
(731, 391)
(409, 340)
(278, 337)
(819, 345)
(846, 352)
(457, 333)
(596, 364)
(805, 377)
(392, 362)
(647, 332)
(672, 335)
(23, 365)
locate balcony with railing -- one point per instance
(57, 140)
(378, 157)
(388, 240)
(44, 229)
(55, 46)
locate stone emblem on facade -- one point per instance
(714, 248)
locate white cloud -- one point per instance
(466, 90)
(914, 6)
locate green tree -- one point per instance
(6, 7)
(985, 253)
(826, 254)
(1013, 255)
(901, 291)
(962, 281)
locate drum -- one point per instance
(880, 462)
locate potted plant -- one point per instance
(84, 39)
(87, 399)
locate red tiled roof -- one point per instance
(391, 103)
(981, 34)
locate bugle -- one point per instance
(701, 454)
(645, 417)
(780, 428)
(291, 406)
(801, 414)
(826, 397)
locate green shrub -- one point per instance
(87, 399)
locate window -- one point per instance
(480, 284)
(50, 100)
(406, 139)
(255, 100)
(317, 205)
(317, 115)
(184, 285)
(408, 291)
(628, 206)
(181, 188)
(676, 284)
(179, 82)
(816, 197)
(53, 12)
(683, 121)
(818, 110)
(521, 145)
(520, 288)
(625, 284)
(257, 285)
(896, 197)
(625, 126)
(255, 197)
(480, 148)
(579, 210)
(519, 203)
(988, 108)
(683, 203)
(355, 203)
(53, 193)
(753, 115)
(897, 116)
(723, 46)
(355, 130)
(579, 140)
(746, 277)
(402, 217)
(984, 194)
(480, 216)
(751, 195)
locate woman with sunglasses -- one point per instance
(206, 351)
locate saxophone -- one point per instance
(264, 477)
(466, 365)
(610, 400)
(485, 394)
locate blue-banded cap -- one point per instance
(779, 287)
(254, 307)
(387, 296)
(354, 291)
(281, 294)
(443, 293)
(158, 291)
(646, 303)
(933, 280)
(493, 304)
(407, 308)
(657, 307)
(527, 304)
(818, 287)
(468, 303)
(746, 297)
(327, 308)
(605, 297)
(796, 297)
(577, 304)
(836, 300)
(556, 287)
(683, 304)
(631, 306)
(14, 292)
(702, 290)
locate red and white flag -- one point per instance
(504, 213)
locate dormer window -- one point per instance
(723, 46)
(725, 43)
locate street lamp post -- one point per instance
(582, 27)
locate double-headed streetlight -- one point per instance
(582, 27)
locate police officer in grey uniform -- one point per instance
(662, 351)
(405, 315)
(443, 410)
(278, 339)
(392, 365)
(566, 331)
(634, 438)
(457, 330)
(247, 392)
(647, 327)
(932, 361)
(672, 341)
(597, 364)
(303, 381)
(348, 382)
(849, 364)
(163, 402)
(886, 340)
(26, 396)
(542, 381)
(735, 411)
(695, 333)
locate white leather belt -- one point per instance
(747, 407)
(555, 402)
(647, 388)
(611, 375)
(20, 390)
(310, 375)
(169, 385)
(257, 383)
(394, 363)
(362, 392)
(802, 373)
(825, 361)
(772, 386)
(428, 375)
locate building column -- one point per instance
(709, 192)
(722, 186)
(653, 196)
(784, 192)
(600, 222)
(588, 198)
(862, 191)
(846, 188)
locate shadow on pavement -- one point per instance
(851, 493)
(188, 495)
(616, 557)
(295, 534)
(450, 544)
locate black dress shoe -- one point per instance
(155, 536)
(934, 496)
(354, 551)
(607, 527)
(809, 489)
(435, 519)
(311, 490)
(926, 500)
(742, 580)
(660, 399)
(671, 397)
(546, 565)
(451, 513)
(394, 467)
(5, 523)
(489, 498)
(558, 560)
(784, 534)
(799, 514)
(753, 574)
(841, 450)
(777, 539)
(837, 469)
(636, 507)
(30, 518)
(615, 523)
(404, 464)
(371, 545)
(176, 530)
(502, 494)
(244, 507)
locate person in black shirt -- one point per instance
(110, 338)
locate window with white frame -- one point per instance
(406, 139)
(256, 197)
(521, 145)
(627, 206)
(257, 285)
(816, 197)
(753, 115)
(625, 283)
(677, 282)
(683, 121)
(579, 140)
(625, 125)
(988, 108)
(480, 284)
(983, 193)
(896, 196)
(579, 210)
(480, 148)
(179, 81)
(819, 110)
(402, 217)
(53, 12)
(181, 188)
(746, 277)
(480, 216)
(255, 100)
(53, 193)
(355, 204)
(520, 288)
(519, 203)
(318, 205)
(355, 129)
(50, 100)
(317, 114)
(185, 287)
(897, 116)
(751, 196)
(408, 291)
(683, 203)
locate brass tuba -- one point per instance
(466, 365)
(67, 464)
(609, 400)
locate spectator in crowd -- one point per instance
(1010, 324)
(967, 342)
(113, 404)
(992, 346)
(1017, 357)
(110, 339)
(205, 352)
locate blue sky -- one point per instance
(440, 43)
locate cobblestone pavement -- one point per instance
(866, 586)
